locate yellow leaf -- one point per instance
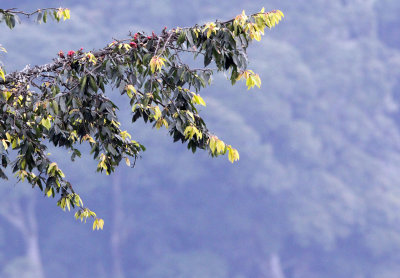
(95, 223)
(59, 13)
(77, 200)
(249, 83)
(100, 224)
(60, 173)
(46, 123)
(190, 115)
(198, 100)
(4, 144)
(156, 63)
(52, 168)
(67, 202)
(157, 112)
(87, 137)
(14, 143)
(49, 192)
(130, 90)
(257, 80)
(212, 144)
(127, 46)
(211, 28)
(252, 79)
(91, 58)
(2, 74)
(233, 154)
(124, 134)
(66, 14)
(220, 146)
(127, 161)
(165, 123)
(188, 132)
(159, 123)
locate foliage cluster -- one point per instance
(64, 103)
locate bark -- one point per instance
(276, 267)
(23, 218)
(118, 230)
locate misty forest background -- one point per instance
(316, 192)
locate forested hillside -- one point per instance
(316, 192)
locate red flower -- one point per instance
(71, 53)
(148, 37)
(61, 54)
(133, 44)
(135, 36)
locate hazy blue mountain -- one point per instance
(315, 194)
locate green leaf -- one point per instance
(83, 83)
(146, 58)
(181, 38)
(2, 175)
(55, 106)
(92, 83)
(189, 37)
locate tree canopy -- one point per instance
(66, 103)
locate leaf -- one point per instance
(83, 83)
(159, 123)
(49, 192)
(68, 202)
(66, 14)
(2, 74)
(2, 175)
(157, 112)
(55, 106)
(4, 144)
(165, 123)
(190, 131)
(181, 38)
(146, 58)
(100, 224)
(95, 223)
(207, 58)
(212, 144)
(14, 143)
(92, 83)
(130, 89)
(198, 100)
(39, 17)
(189, 37)
(220, 146)
(156, 63)
(46, 123)
(52, 168)
(233, 154)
